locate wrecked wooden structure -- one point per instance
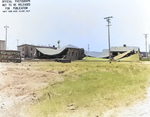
(10, 56)
(125, 54)
(122, 52)
(66, 54)
(116, 52)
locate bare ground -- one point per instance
(18, 86)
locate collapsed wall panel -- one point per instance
(122, 55)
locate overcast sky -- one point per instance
(79, 22)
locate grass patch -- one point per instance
(145, 59)
(94, 59)
(90, 88)
(134, 57)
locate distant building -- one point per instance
(28, 51)
(143, 54)
(103, 54)
(2, 45)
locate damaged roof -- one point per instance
(105, 52)
(124, 49)
(51, 52)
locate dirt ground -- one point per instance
(138, 109)
(19, 83)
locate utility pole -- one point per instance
(108, 20)
(88, 47)
(17, 43)
(6, 37)
(58, 44)
(146, 44)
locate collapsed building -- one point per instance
(69, 52)
(122, 52)
(115, 52)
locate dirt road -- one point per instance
(138, 109)
(10, 104)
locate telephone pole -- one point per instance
(58, 44)
(108, 20)
(6, 37)
(17, 43)
(88, 47)
(146, 44)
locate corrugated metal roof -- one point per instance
(47, 51)
(123, 49)
(51, 52)
(104, 53)
(37, 46)
(70, 46)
